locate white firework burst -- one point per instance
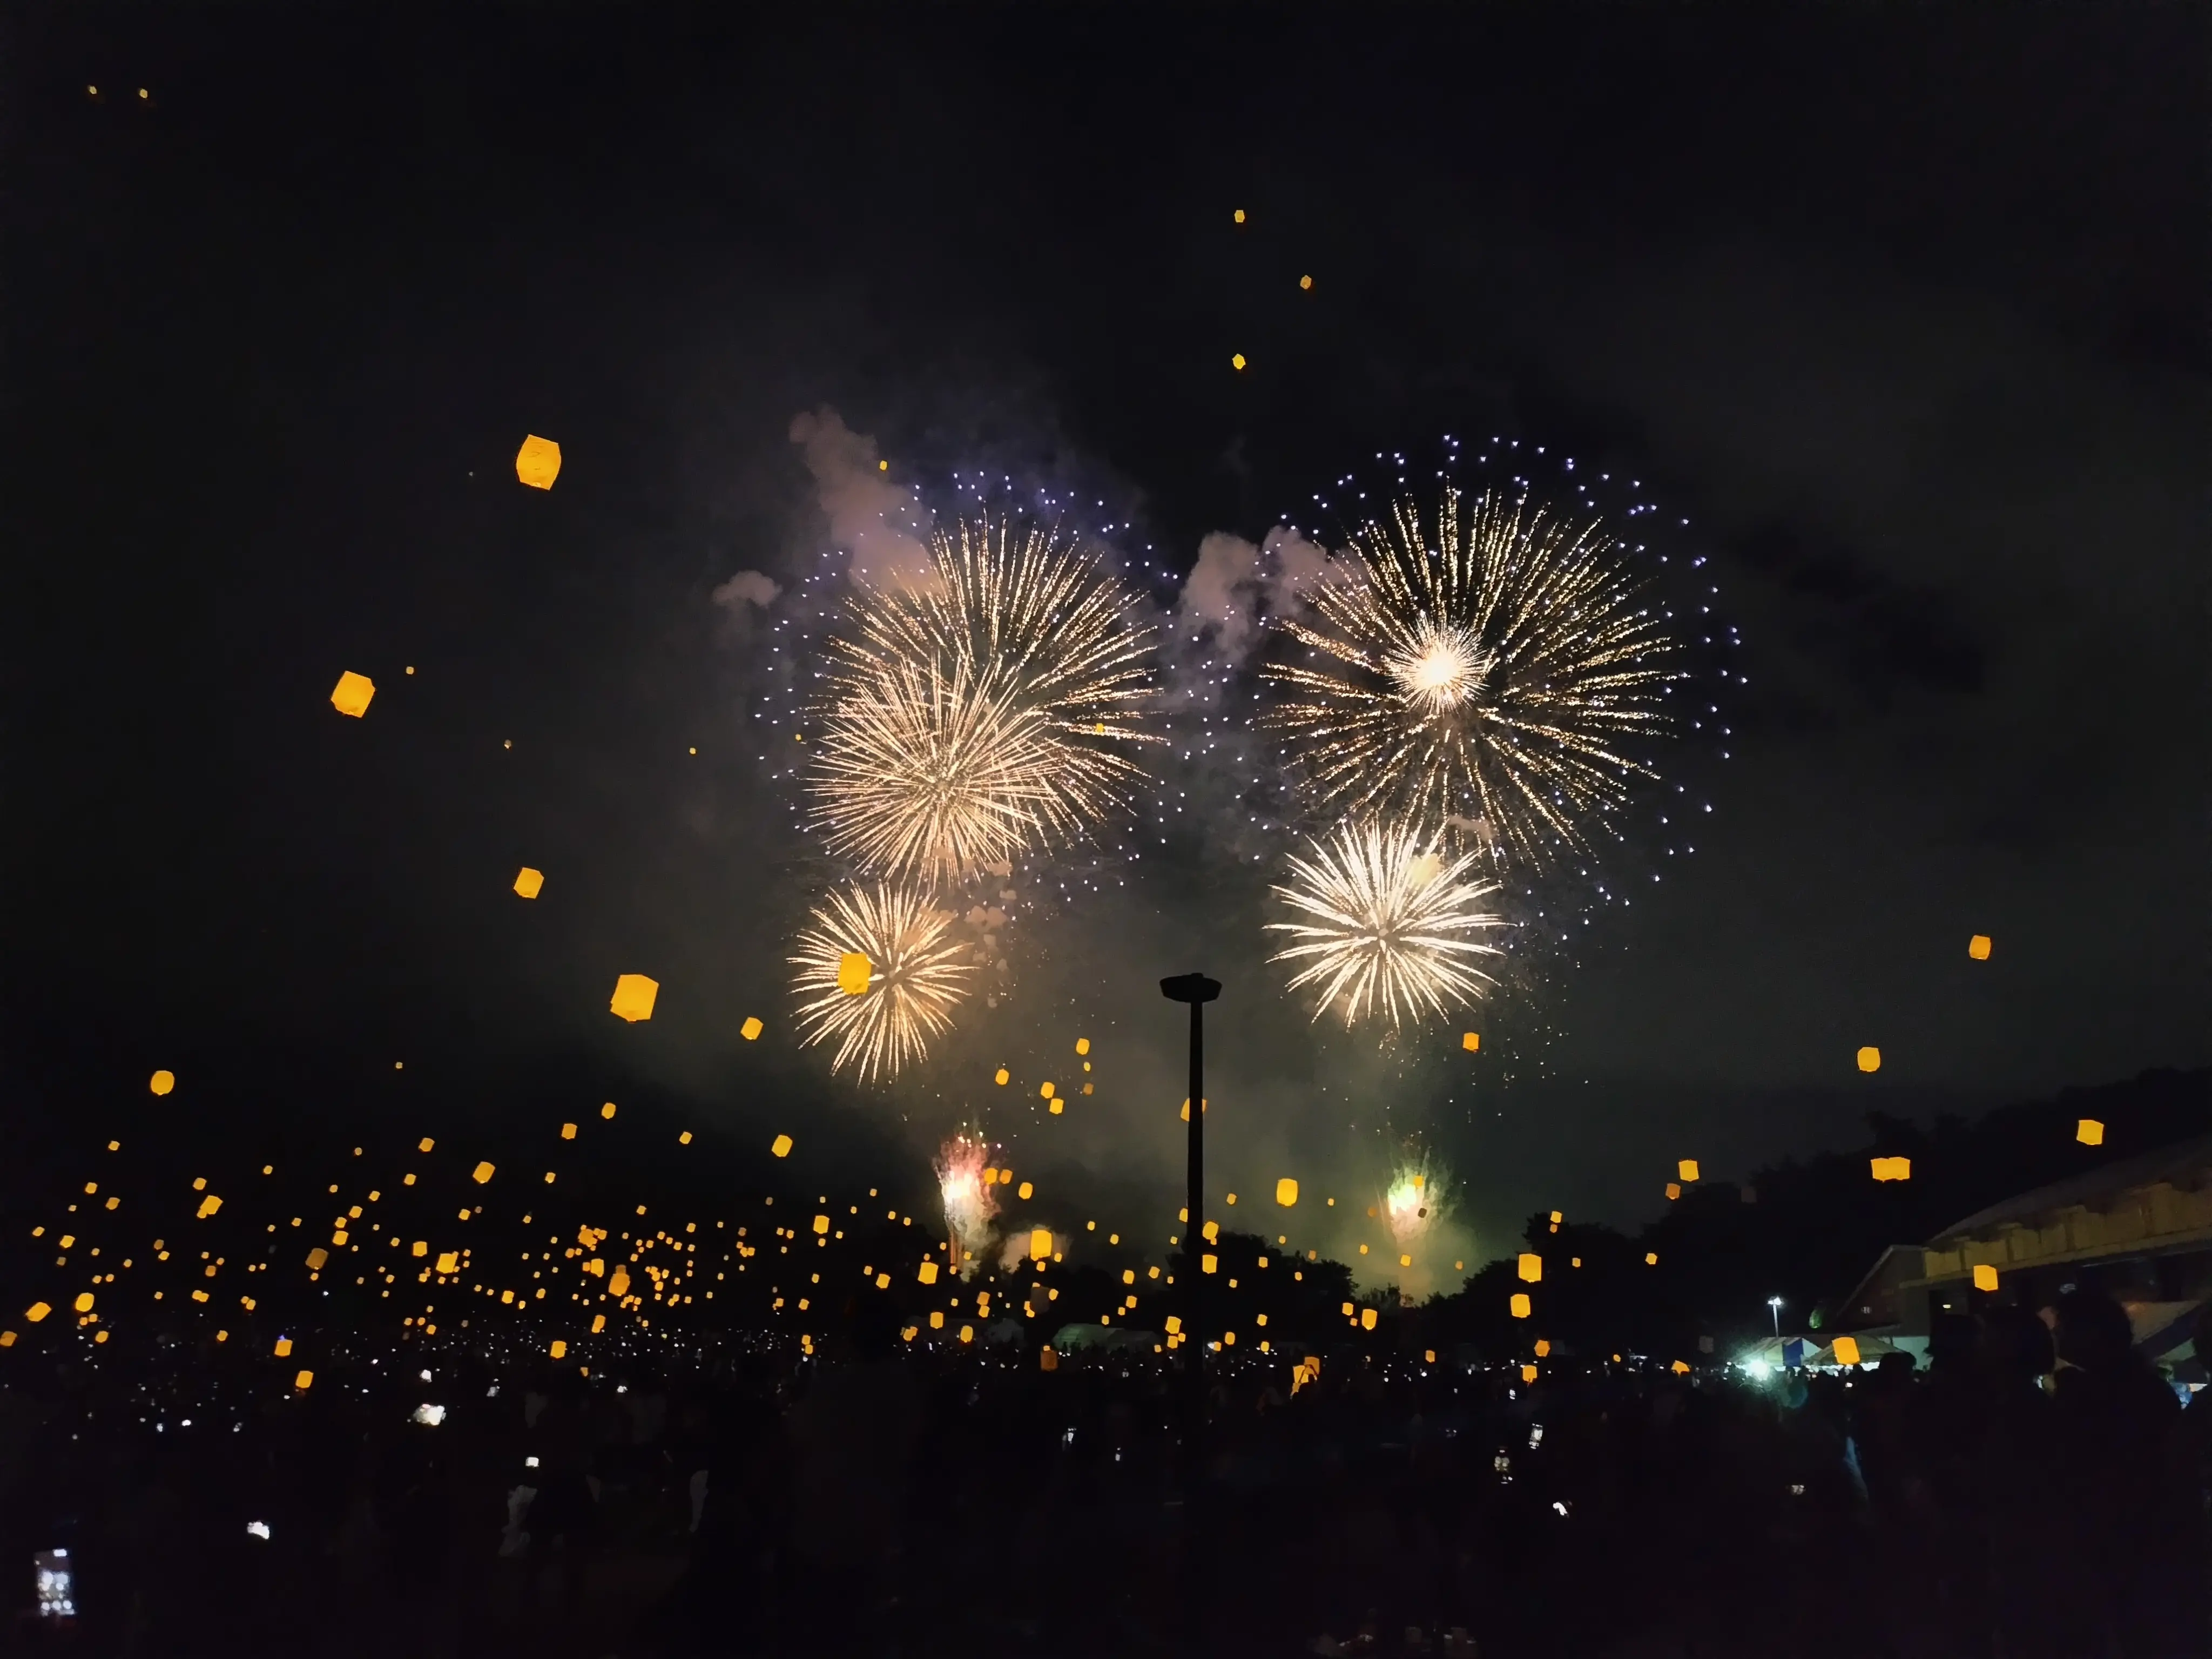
(1392, 930)
(915, 980)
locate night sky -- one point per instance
(1902, 310)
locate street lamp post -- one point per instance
(1197, 990)
(1774, 1305)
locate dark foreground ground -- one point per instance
(902, 1501)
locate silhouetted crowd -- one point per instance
(2037, 1489)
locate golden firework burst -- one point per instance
(1393, 930)
(1492, 673)
(915, 984)
(1002, 693)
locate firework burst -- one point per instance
(1419, 1199)
(915, 984)
(982, 712)
(1393, 931)
(1494, 672)
(933, 775)
(969, 1204)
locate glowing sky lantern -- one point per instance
(1846, 1350)
(1673, 1191)
(1891, 1168)
(567, 1132)
(530, 883)
(162, 1082)
(1985, 1276)
(854, 970)
(1367, 1319)
(351, 693)
(1286, 1192)
(1041, 1244)
(559, 1349)
(1520, 1304)
(999, 1076)
(632, 998)
(1530, 1268)
(1083, 1045)
(1979, 947)
(481, 1174)
(927, 1274)
(1869, 1059)
(304, 1380)
(1044, 1091)
(1687, 1169)
(1237, 359)
(781, 1145)
(283, 1347)
(1471, 1041)
(2089, 1132)
(537, 463)
(751, 1028)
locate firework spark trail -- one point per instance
(1491, 674)
(916, 984)
(1395, 931)
(969, 1203)
(1047, 671)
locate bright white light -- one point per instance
(258, 1529)
(426, 1376)
(430, 1416)
(1758, 1368)
(529, 1463)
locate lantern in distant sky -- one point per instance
(530, 883)
(854, 972)
(1470, 1041)
(1869, 1059)
(163, 1082)
(634, 998)
(1979, 947)
(1367, 1319)
(351, 693)
(751, 1028)
(1687, 1169)
(1531, 1268)
(2089, 1132)
(1286, 1192)
(537, 463)
(781, 1145)
(1985, 1276)
(1520, 1304)
(1846, 1350)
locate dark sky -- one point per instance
(1902, 308)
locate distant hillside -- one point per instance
(1804, 1230)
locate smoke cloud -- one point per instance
(1235, 586)
(874, 520)
(746, 587)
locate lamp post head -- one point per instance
(1190, 988)
(1773, 1301)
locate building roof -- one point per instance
(2179, 1163)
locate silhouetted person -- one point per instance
(2017, 1486)
(2119, 1486)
